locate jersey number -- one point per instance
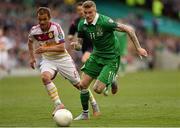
(92, 35)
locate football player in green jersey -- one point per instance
(104, 60)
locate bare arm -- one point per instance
(56, 48)
(31, 54)
(131, 33)
(70, 37)
(133, 37)
(53, 48)
(77, 45)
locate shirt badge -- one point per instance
(110, 21)
(50, 35)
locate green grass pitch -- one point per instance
(145, 99)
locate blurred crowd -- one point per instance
(18, 16)
(170, 8)
(152, 41)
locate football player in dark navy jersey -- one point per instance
(87, 44)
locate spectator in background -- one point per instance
(157, 8)
(5, 46)
(155, 26)
(141, 3)
(131, 2)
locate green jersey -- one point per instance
(101, 34)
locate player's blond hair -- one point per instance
(44, 10)
(89, 4)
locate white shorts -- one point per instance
(64, 66)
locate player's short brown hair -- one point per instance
(44, 10)
(89, 4)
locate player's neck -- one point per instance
(47, 28)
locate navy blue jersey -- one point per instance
(87, 44)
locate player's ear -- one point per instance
(49, 17)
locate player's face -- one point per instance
(89, 14)
(80, 11)
(44, 21)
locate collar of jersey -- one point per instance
(94, 21)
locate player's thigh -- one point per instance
(109, 72)
(67, 69)
(48, 69)
(92, 68)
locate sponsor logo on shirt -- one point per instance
(44, 36)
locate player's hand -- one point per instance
(76, 46)
(32, 63)
(73, 45)
(142, 52)
(40, 50)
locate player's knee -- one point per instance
(83, 85)
(97, 89)
(45, 79)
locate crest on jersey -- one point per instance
(99, 31)
(50, 35)
(84, 28)
(44, 36)
(110, 21)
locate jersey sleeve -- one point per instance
(59, 34)
(30, 36)
(110, 24)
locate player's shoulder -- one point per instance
(81, 23)
(104, 17)
(55, 25)
(35, 28)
